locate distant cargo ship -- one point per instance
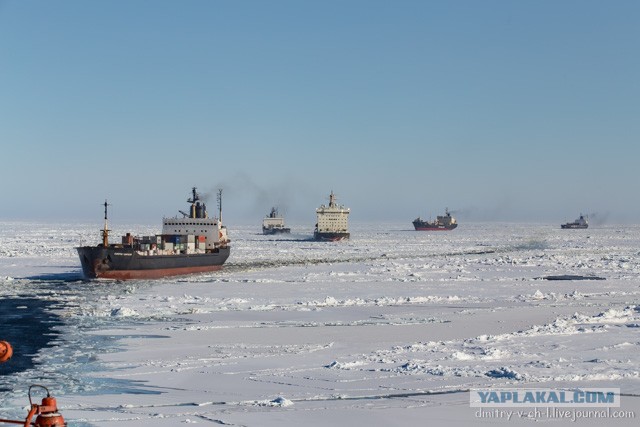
(332, 221)
(193, 244)
(578, 223)
(274, 224)
(446, 222)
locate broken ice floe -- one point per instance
(279, 402)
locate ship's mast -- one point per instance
(105, 230)
(219, 197)
(194, 198)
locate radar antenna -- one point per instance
(195, 196)
(332, 200)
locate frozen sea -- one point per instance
(390, 328)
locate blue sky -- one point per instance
(506, 110)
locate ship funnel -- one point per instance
(195, 205)
(199, 210)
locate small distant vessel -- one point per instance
(274, 224)
(445, 222)
(332, 224)
(193, 244)
(578, 223)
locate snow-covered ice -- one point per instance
(390, 328)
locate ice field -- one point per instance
(390, 328)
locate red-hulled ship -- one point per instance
(332, 224)
(193, 244)
(442, 223)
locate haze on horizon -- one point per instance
(506, 111)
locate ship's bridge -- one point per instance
(210, 228)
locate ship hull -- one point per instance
(574, 226)
(426, 227)
(275, 230)
(125, 263)
(330, 237)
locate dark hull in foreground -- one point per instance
(126, 263)
(330, 237)
(192, 244)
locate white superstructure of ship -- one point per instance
(332, 221)
(197, 227)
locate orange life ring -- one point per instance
(5, 351)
